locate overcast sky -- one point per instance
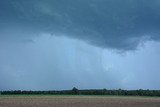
(61, 44)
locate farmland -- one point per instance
(77, 101)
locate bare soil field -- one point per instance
(78, 101)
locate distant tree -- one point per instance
(75, 90)
(104, 91)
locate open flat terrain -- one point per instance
(78, 101)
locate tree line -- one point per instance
(75, 91)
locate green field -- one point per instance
(77, 101)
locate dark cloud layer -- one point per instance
(116, 24)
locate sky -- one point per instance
(88, 44)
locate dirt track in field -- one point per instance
(77, 101)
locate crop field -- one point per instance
(78, 101)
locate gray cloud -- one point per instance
(121, 25)
(53, 63)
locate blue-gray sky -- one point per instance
(60, 44)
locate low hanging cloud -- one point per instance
(114, 24)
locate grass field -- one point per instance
(78, 101)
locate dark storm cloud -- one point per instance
(117, 24)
